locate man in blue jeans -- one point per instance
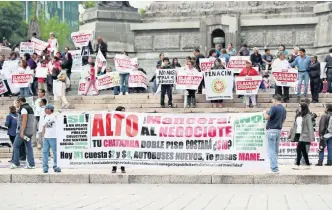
(275, 119)
(302, 63)
(325, 136)
(49, 138)
(24, 132)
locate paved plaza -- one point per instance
(165, 197)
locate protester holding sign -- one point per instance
(191, 98)
(314, 75)
(124, 79)
(92, 80)
(218, 65)
(249, 71)
(325, 136)
(198, 56)
(24, 91)
(281, 63)
(165, 88)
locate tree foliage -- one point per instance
(88, 4)
(12, 23)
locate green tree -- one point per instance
(88, 4)
(12, 23)
(61, 30)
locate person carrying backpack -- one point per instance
(325, 136)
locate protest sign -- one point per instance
(285, 77)
(85, 71)
(188, 79)
(9, 67)
(77, 60)
(27, 47)
(83, 85)
(166, 76)
(41, 72)
(237, 63)
(104, 82)
(39, 45)
(206, 64)
(81, 39)
(124, 63)
(138, 79)
(247, 85)
(219, 84)
(3, 88)
(102, 139)
(100, 62)
(21, 79)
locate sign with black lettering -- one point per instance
(166, 76)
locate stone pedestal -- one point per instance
(113, 24)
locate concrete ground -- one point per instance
(165, 197)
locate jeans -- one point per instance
(25, 92)
(49, 143)
(116, 90)
(17, 144)
(124, 83)
(273, 137)
(329, 151)
(22, 149)
(302, 77)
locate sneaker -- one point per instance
(114, 169)
(127, 93)
(13, 166)
(273, 172)
(123, 169)
(57, 169)
(45, 171)
(29, 167)
(319, 164)
(170, 106)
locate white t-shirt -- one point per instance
(50, 128)
(24, 111)
(38, 110)
(299, 124)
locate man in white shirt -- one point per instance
(49, 138)
(39, 110)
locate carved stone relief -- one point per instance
(190, 40)
(279, 37)
(233, 4)
(305, 37)
(253, 38)
(166, 41)
(143, 42)
(254, 3)
(207, 5)
(279, 3)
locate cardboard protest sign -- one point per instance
(27, 47)
(39, 45)
(285, 77)
(219, 84)
(124, 63)
(188, 79)
(206, 64)
(41, 72)
(138, 79)
(237, 63)
(81, 39)
(3, 88)
(77, 60)
(247, 85)
(100, 62)
(82, 87)
(21, 79)
(166, 76)
(9, 67)
(132, 134)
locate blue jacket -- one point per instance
(302, 64)
(11, 124)
(226, 56)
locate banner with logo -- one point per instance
(188, 80)
(285, 77)
(124, 63)
(3, 88)
(237, 63)
(41, 72)
(206, 64)
(103, 139)
(81, 39)
(166, 76)
(77, 60)
(219, 84)
(138, 79)
(247, 85)
(27, 47)
(21, 79)
(39, 45)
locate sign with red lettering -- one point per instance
(81, 39)
(247, 85)
(138, 79)
(206, 63)
(39, 45)
(3, 88)
(124, 63)
(27, 47)
(285, 77)
(103, 139)
(21, 79)
(237, 63)
(187, 79)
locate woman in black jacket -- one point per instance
(314, 75)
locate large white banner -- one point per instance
(219, 84)
(188, 80)
(77, 60)
(39, 45)
(27, 47)
(9, 67)
(285, 77)
(237, 63)
(247, 85)
(103, 139)
(124, 63)
(138, 79)
(81, 39)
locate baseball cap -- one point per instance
(50, 107)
